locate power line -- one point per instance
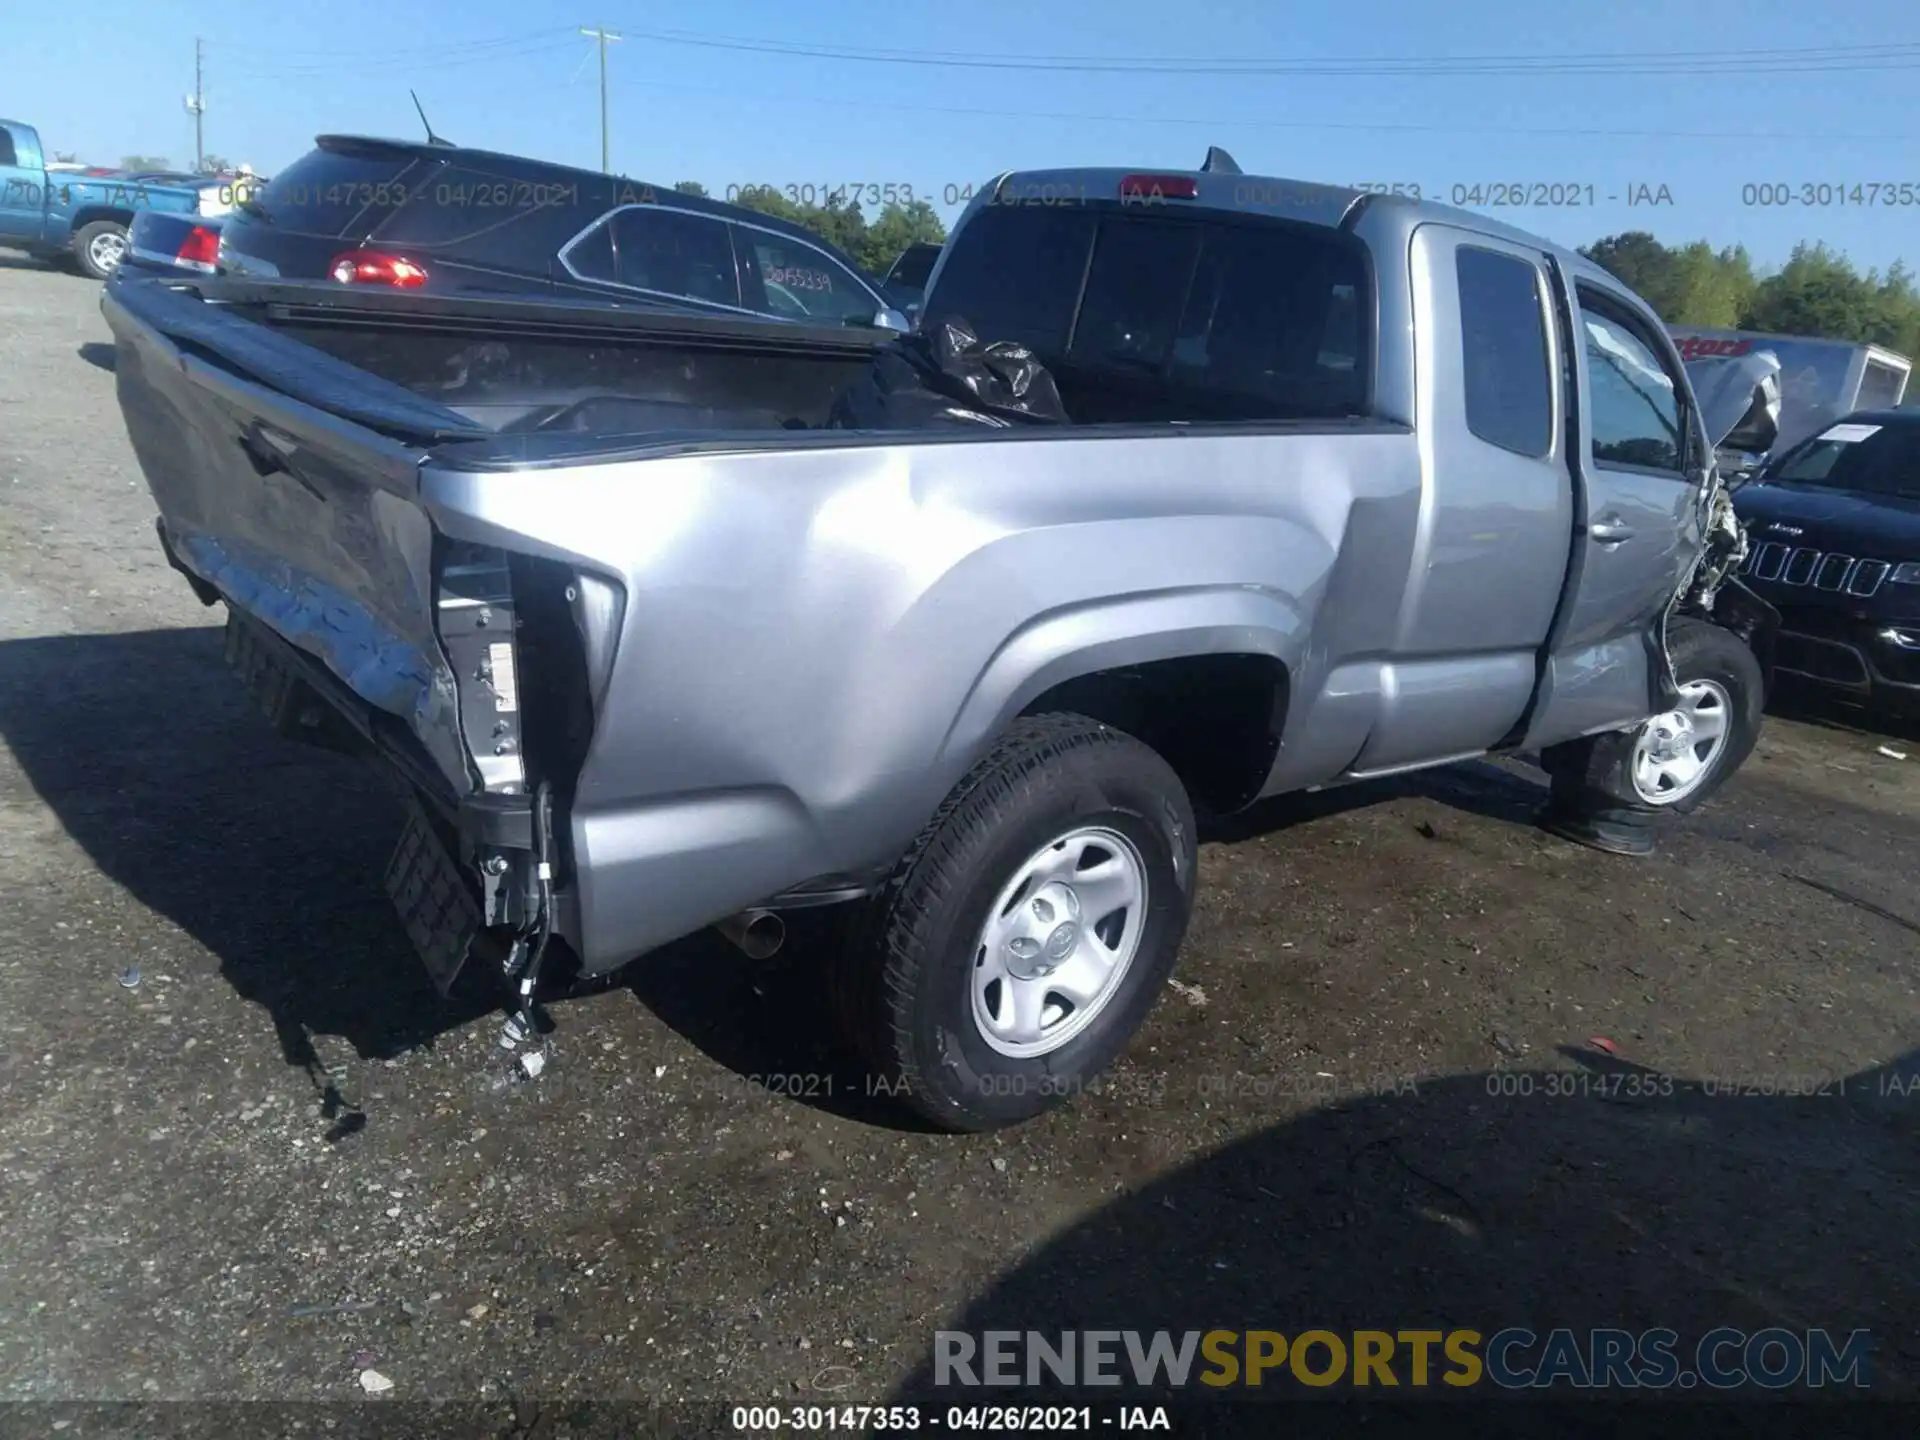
(1897, 56)
(1732, 56)
(1815, 60)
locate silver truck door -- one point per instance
(1639, 479)
(1490, 542)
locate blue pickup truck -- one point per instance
(86, 217)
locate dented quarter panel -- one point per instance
(817, 642)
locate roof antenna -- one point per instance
(1219, 162)
(432, 139)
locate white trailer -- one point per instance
(1821, 381)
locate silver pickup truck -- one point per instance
(1340, 485)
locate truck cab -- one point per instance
(76, 215)
(1567, 467)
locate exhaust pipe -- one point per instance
(757, 933)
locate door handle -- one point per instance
(1610, 532)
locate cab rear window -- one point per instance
(328, 192)
(1147, 316)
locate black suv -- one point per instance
(446, 220)
(1834, 526)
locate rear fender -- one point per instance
(1108, 635)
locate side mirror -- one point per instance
(892, 320)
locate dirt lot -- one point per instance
(280, 1157)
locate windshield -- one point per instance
(1865, 458)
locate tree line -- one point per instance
(1817, 292)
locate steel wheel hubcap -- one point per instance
(1676, 751)
(1058, 941)
(106, 250)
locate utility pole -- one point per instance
(603, 35)
(197, 104)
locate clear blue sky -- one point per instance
(516, 77)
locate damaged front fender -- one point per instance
(1739, 404)
(1738, 609)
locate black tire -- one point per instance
(902, 984)
(83, 246)
(1595, 775)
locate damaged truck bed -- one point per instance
(669, 622)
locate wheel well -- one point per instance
(84, 218)
(1216, 719)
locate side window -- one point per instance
(7, 155)
(1503, 340)
(798, 282)
(591, 256)
(1633, 404)
(672, 252)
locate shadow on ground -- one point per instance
(770, 1019)
(1621, 1198)
(271, 855)
(268, 853)
(774, 1018)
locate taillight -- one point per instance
(199, 250)
(374, 267)
(1159, 187)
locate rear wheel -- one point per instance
(99, 248)
(1028, 931)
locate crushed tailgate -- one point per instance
(299, 511)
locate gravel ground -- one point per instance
(281, 1157)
